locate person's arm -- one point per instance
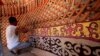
(20, 30)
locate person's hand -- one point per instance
(24, 30)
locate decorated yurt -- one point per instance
(49, 27)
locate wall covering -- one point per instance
(62, 27)
(86, 30)
(80, 39)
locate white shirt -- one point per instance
(12, 38)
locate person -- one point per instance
(12, 37)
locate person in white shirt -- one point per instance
(12, 37)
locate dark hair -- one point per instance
(12, 20)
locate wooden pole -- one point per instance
(1, 47)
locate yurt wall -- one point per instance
(60, 27)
